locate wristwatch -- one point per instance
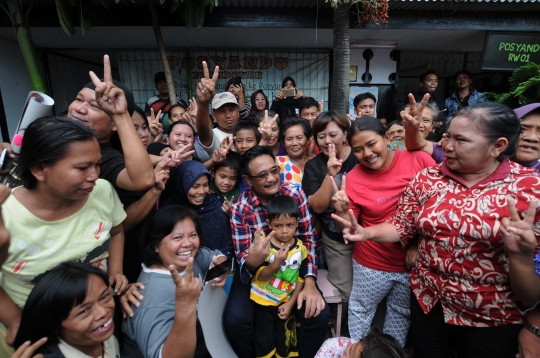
(532, 328)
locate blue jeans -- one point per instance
(239, 318)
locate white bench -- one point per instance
(331, 295)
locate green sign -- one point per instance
(509, 50)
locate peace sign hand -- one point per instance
(156, 128)
(206, 88)
(265, 127)
(109, 98)
(333, 164)
(340, 200)
(411, 116)
(352, 231)
(227, 204)
(517, 234)
(188, 288)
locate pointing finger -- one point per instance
(107, 75)
(205, 70)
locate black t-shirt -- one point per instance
(112, 163)
(314, 173)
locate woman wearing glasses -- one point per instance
(334, 160)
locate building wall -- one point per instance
(14, 82)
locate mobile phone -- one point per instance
(289, 92)
(219, 270)
(237, 80)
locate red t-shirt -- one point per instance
(373, 197)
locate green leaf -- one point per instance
(174, 5)
(64, 11)
(199, 15)
(88, 16)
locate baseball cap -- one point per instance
(223, 98)
(523, 111)
(159, 76)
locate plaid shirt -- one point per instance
(248, 214)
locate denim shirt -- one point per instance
(452, 103)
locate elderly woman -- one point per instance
(462, 298)
(63, 212)
(173, 245)
(295, 133)
(335, 160)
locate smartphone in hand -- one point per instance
(289, 92)
(219, 270)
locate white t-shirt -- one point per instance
(110, 346)
(219, 135)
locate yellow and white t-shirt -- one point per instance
(37, 245)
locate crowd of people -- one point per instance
(105, 247)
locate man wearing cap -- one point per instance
(464, 95)
(161, 101)
(528, 148)
(224, 111)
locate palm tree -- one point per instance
(339, 89)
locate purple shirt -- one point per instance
(438, 153)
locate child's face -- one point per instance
(245, 139)
(284, 227)
(225, 179)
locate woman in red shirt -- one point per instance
(464, 301)
(372, 194)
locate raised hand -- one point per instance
(188, 288)
(178, 156)
(156, 128)
(109, 98)
(411, 116)
(352, 231)
(517, 233)
(281, 254)
(162, 173)
(26, 350)
(299, 94)
(280, 95)
(206, 88)
(260, 247)
(227, 204)
(333, 164)
(340, 200)
(190, 115)
(265, 127)
(320, 108)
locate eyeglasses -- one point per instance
(262, 176)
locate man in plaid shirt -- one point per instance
(248, 215)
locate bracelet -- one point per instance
(532, 328)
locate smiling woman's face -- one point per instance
(90, 324)
(198, 191)
(181, 244)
